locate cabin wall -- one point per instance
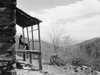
(7, 26)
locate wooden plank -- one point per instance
(28, 51)
(22, 50)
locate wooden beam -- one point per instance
(28, 51)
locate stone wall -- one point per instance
(7, 26)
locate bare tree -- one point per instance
(55, 37)
(67, 42)
(61, 44)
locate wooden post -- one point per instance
(32, 44)
(30, 58)
(32, 37)
(24, 55)
(28, 37)
(23, 34)
(40, 55)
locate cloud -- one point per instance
(81, 19)
(78, 10)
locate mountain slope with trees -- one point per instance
(88, 53)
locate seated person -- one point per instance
(23, 43)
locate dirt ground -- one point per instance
(50, 70)
(53, 70)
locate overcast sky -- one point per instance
(78, 18)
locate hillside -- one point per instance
(88, 53)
